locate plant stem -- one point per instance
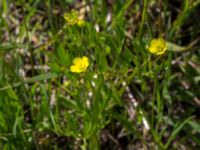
(144, 16)
(28, 39)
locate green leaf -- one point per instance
(68, 103)
(126, 123)
(176, 48)
(32, 80)
(12, 94)
(176, 130)
(195, 126)
(55, 67)
(9, 46)
(63, 56)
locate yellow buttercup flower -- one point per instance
(72, 18)
(157, 46)
(81, 23)
(80, 64)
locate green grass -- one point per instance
(127, 98)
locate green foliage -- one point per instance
(125, 92)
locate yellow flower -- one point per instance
(72, 18)
(157, 46)
(79, 64)
(81, 23)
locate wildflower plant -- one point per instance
(70, 84)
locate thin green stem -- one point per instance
(144, 16)
(28, 39)
(153, 102)
(84, 146)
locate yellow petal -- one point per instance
(80, 64)
(77, 60)
(85, 61)
(74, 68)
(157, 46)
